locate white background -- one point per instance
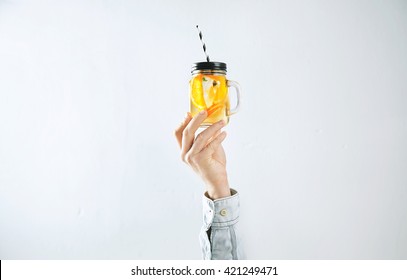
(90, 92)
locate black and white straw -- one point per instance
(203, 44)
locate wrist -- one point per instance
(219, 190)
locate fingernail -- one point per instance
(202, 112)
(221, 122)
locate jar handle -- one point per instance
(237, 88)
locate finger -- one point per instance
(181, 127)
(211, 148)
(188, 134)
(203, 138)
(213, 137)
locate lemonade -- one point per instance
(209, 92)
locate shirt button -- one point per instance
(223, 212)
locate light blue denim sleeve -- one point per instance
(219, 236)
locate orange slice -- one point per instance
(197, 97)
(214, 109)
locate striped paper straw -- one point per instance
(203, 44)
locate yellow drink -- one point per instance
(209, 92)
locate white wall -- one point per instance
(90, 92)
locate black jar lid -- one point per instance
(213, 66)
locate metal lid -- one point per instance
(216, 66)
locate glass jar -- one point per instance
(209, 91)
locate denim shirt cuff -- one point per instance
(221, 212)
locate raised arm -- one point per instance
(205, 155)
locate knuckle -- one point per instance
(191, 159)
(184, 158)
(199, 137)
(189, 130)
(186, 132)
(187, 158)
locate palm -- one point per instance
(219, 157)
(213, 168)
(204, 153)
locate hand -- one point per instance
(204, 153)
